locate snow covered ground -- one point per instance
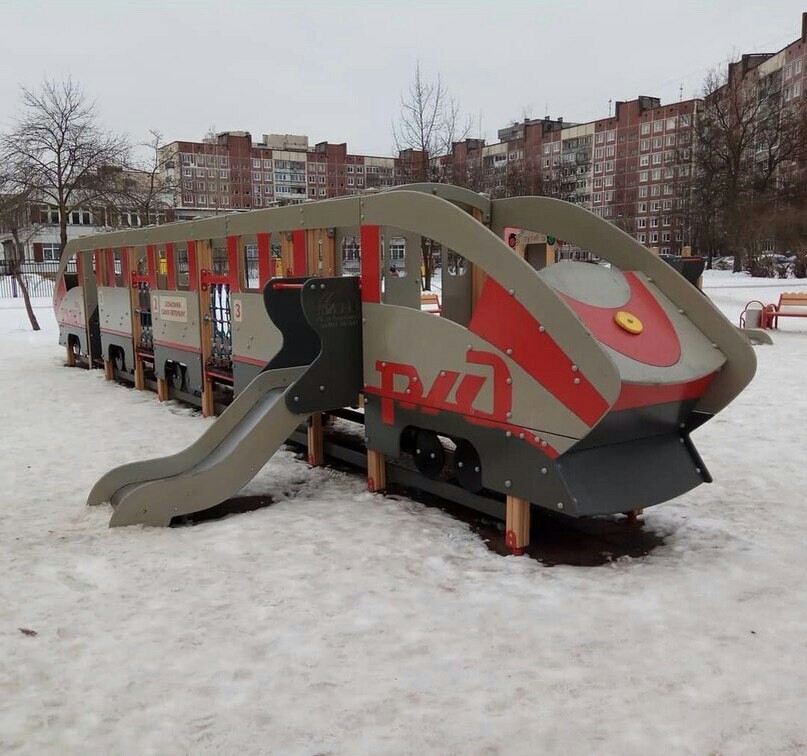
(339, 622)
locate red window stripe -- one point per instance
(370, 261)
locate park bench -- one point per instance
(429, 302)
(790, 305)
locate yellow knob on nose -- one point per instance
(628, 322)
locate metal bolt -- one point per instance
(544, 471)
(680, 440)
(521, 436)
(576, 381)
(383, 364)
(541, 329)
(322, 286)
(508, 484)
(574, 368)
(682, 425)
(322, 388)
(476, 469)
(442, 373)
(414, 379)
(509, 381)
(715, 345)
(543, 443)
(681, 310)
(509, 351)
(469, 347)
(296, 398)
(366, 439)
(460, 464)
(698, 470)
(433, 455)
(509, 414)
(560, 505)
(417, 451)
(508, 434)
(408, 391)
(511, 292)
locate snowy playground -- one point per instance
(337, 621)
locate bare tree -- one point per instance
(430, 120)
(142, 185)
(56, 152)
(14, 216)
(746, 137)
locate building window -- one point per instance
(611, 135)
(641, 223)
(668, 204)
(50, 252)
(256, 163)
(187, 172)
(658, 126)
(640, 238)
(654, 237)
(644, 144)
(657, 158)
(643, 207)
(686, 120)
(666, 222)
(643, 190)
(186, 158)
(670, 124)
(609, 181)
(645, 128)
(323, 192)
(644, 160)
(643, 176)
(670, 142)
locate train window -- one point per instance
(397, 256)
(118, 265)
(457, 264)
(182, 263)
(71, 273)
(220, 260)
(249, 261)
(351, 256)
(162, 268)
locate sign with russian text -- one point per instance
(173, 309)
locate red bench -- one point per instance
(429, 302)
(790, 305)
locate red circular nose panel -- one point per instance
(656, 345)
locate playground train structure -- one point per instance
(570, 386)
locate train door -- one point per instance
(400, 252)
(87, 279)
(456, 285)
(143, 281)
(217, 260)
(255, 339)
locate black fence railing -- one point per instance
(39, 277)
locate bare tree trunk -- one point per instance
(19, 257)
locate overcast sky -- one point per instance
(335, 70)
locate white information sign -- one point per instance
(173, 309)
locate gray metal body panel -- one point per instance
(256, 339)
(216, 466)
(457, 286)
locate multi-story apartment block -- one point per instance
(231, 172)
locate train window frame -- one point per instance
(465, 267)
(181, 250)
(249, 242)
(161, 265)
(355, 249)
(119, 263)
(397, 265)
(219, 252)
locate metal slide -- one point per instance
(212, 469)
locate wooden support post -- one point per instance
(70, 356)
(316, 455)
(162, 389)
(376, 471)
(208, 405)
(517, 524)
(139, 377)
(109, 370)
(634, 515)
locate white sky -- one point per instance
(335, 70)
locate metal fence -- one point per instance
(39, 277)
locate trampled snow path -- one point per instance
(339, 622)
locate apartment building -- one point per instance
(231, 172)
